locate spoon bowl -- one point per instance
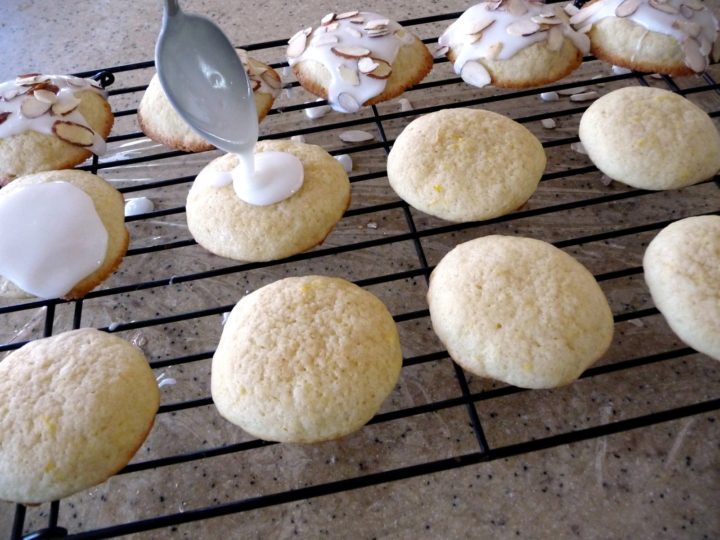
(205, 81)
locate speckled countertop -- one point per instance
(659, 481)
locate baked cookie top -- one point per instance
(50, 122)
(682, 271)
(305, 359)
(682, 33)
(519, 310)
(159, 120)
(357, 58)
(74, 409)
(513, 43)
(465, 164)
(650, 138)
(63, 234)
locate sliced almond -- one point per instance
(46, 96)
(347, 102)
(297, 45)
(549, 11)
(356, 135)
(516, 8)
(555, 38)
(256, 68)
(327, 19)
(354, 32)
(441, 50)
(571, 9)
(4, 116)
(585, 96)
(666, 8)
(382, 71)
(627, 8)
(366, 65)
(332, 26)
(705, 45)
(541, 19)
(357, 20)
(405, 105)
(478, 26)
(349, 75)
(378, 33)
(585, 13)
(473, 38)
(73, 133)
(475, 74)
(45, 85)
(493, 5)
(351, 52)
(272, 79)
(32, 108)
(571, 91)
(523, 27)
(376, 23)
(579, 39)
(77, 82)
(62, 108)
(693, 58)
(695, 5)
(324, 39)
(686, 11)
(494, 50)
(690, 28)
(548, 123)
(28, 79)
(254, 84)
(12, 94)
(346, 15)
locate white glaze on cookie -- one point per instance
(26, 93)
(275, 177)
(688, 21)
(498, 30)
(357, 49)
(53, 238)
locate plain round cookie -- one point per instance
(519, 310)
(74, 409)
(159, 120)
(682, 271)
(31, 152)
(110, 207)
(227, 226)
(305, 359)
(650, 138)
(465, 164)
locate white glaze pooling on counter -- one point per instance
(275, 177)
(138, 205)
(53, 238)
(656, 20)
(16, 122)
(460, 35)
(351, 34)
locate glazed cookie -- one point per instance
(513, 44)
(654, 36)
(357, 58)
(159, 121)
(50, 122)
(650, 138)
(305, 359)
(228, 226)
(465, 164)
(519, 310)
(74, 409)
(682, 271)
(64, 233)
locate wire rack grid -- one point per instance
(169, 296)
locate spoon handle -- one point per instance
(171, 7)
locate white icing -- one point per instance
(495, 41)
(267, 179)
(350, 34)
(655, 20)
(317, 112)
(138, 205)
(52, 238)
(16, 122)
(346, 161)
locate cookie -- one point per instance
(305, 359)
(64, 233)
(650, 138)
(682, 271)
(227, 226)
(159, 120)
(50, 122)
(74, 409)
(675, 37)
(465, 164)
(519, 310)
(513, 44)
(357, 58)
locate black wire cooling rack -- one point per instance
(574, 208)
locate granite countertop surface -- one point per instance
(620, 480)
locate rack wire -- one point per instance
(397, 247)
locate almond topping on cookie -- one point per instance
(662, 6)
(32, 108)
(690, 28)
(478, 26)
(349, 75)
(357, 20)
(382, 71)
(73, 133)
(366, 65)
(347, 15)
(378, 33)
(354, 32)
(441, 50)
(523, 27)
(377, 24)
(347, 102)
(272, 79)
(627, 8)
(297, 45)
(254, 84)
(327, 19)
(695, 5)
(351, 52)
(693, 57)
(46, 96)
(475, 74)
(543, 19)
(3, 116)
(586, 12)
(517, 8)
(494, 50)
(61, 109)
(555, 38)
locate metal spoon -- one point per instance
(205, 81)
